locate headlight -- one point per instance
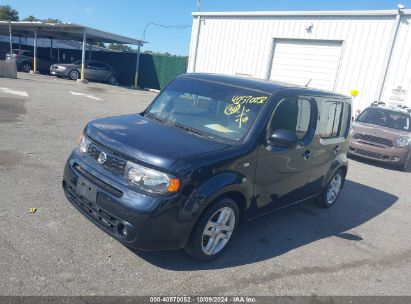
(403, 141)
(82, 144)
(61, 68)
(151, 180)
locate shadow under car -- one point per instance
(277, 233)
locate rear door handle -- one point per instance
(307, 154)
(337, 149)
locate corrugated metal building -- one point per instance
(366, 51)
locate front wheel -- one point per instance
(74, 75)
(404, 167)
(214, 230)
(330, 194)
(26, 67)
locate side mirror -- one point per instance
(283, 138)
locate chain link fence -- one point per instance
(4, 48)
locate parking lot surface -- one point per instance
(361, 246)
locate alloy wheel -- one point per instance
(218, 231)
(74, 75)
(26, 67)
(334, 188)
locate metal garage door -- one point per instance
(303, 61)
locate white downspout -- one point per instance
(387, 60)
(196, 44)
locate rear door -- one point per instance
(282, 173)
(331, 138)
(92, 70)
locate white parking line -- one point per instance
(85, 95)
(9, 91)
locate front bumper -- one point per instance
(151, 223)
(395, 155)
(57, 72)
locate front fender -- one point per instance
(217, 185)
(214, 187)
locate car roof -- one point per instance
(405, 110)
(267, 86)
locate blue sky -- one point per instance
(129, 17)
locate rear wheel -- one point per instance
(330, 194)
(74, 75)
(26, 67)
(214, 230)
(112, 80)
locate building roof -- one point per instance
(301, 13)
(63, 31)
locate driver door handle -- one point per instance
(307, 154)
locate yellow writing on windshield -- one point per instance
(238, 107)
(248, 99)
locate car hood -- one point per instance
(383, 132)
(149, 141)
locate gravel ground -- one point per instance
(361, 246)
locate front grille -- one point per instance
(373, 140)
(113, 163)
(98, 182)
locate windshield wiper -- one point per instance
(186, 128)
(155, 117)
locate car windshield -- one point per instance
(385, 118)
(208, 108)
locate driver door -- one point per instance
(282, 173)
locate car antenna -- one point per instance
(306, 85)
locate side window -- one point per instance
(91, 64)
(345, 120)
(330, 118)
(292, 114)
(101, 66)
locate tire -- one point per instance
(329, 195)
(112, 80)
(404, 166)
(74, 75)
(213, 223)
(25, 67)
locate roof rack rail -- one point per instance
(377, 103)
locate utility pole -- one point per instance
(10, 41)
(198, 5)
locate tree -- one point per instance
(31, 18)
(51, 20)
(7, 13)
(121, 48)
(99, 44)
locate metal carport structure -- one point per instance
(66, 31)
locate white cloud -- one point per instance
(89, 10)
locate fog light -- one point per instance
(122, 230)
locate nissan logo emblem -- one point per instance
(102, 158)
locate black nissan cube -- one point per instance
(208, 152)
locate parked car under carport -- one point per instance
(24, 61)
(93, 70)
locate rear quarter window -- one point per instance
(333, 118)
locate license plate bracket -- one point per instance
(86, 190)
